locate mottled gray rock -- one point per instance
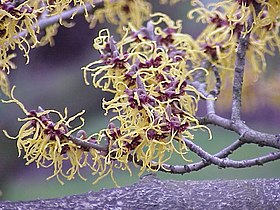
(152, 193)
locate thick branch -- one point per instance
(247, 134)
(152, 193)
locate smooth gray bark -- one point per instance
(153, 193)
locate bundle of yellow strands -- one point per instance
(154, 100)
(48, 143)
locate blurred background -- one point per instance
(53, 79)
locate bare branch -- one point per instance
(238, 77)
(247, 134)
(216, 91)
(65, 15)
(87, 144)
(182, 169)
(225, 162)
(239, 66)
(200, 74)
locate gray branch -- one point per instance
(87, 144)
(153, 193)
(216, 91)
(65, 15)
(247, 134)
(238, 76)
(187, 168)
(239, 66)
(228, 163)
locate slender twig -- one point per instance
(218, 159)
(65, 15)
(243, 43)
(200, 74)
(87, 144)
(225, 162)
(216, 91)
(208, 159)
(238, 77)
(187, 168)
(247, 134)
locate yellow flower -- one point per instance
(18, 22)
(121, 13)
(19, 26)
(219, 40)
(58, 6)
(154, 101)
(50, 32)
(4, 83)
(5, 66)
(225, 22)
(47, 143)
(14, 19)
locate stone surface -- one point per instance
(153, 193)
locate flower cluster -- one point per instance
(16, 17)
(225, 22)
(154, 100)
(48, 143)
(121, 12)
(19, 28)
(153, 73)
(20, 22)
